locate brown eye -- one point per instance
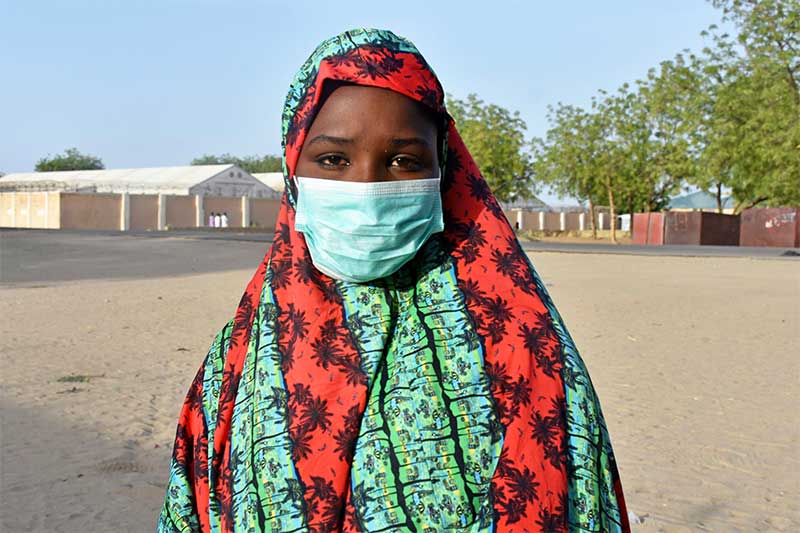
(332, 161)
(403, 162)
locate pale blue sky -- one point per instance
(156, 83)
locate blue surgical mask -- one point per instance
(359, 231)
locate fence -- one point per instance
(648, 228)
(754, 227)
(701, 228)
(556, 220)
(123, 212)
(778, 226)
(69, 210)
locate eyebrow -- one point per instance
(330, 139)
(399, 143)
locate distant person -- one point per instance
(217, 220)
(211, 220)
(396, 363)
(224, 220)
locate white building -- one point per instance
(209, 180)
(273, 180)
(137, 198)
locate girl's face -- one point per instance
(370, 134)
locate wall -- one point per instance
(721, 230)
(7, 210)
(682, 227)
(232, 206)
(143, 211)
(39, 218)
(54, 215)
(606, 219)
(530, 220)
(776, 226)
(573, 221)
(264, 212)
(552, 220)
(21, 208)
(180, 211)
(103, 211)
(43, 209)
(90, 211)
(648, 228)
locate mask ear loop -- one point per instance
(292, 191)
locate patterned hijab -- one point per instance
(448, 396)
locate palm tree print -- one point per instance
(301, 444)
(471, 233)
(325, 353)
(281, 273)
(316, 415)
(523, 484)
(297, 321)
(505, 263)
(302, 394)
(544, 429)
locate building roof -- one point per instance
(530, 204)
(119, 179)
(273, 180)
(699, 200)
(192, 179)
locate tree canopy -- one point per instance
(726, 118)
(252, 163)
(496, 139)
(71, 159)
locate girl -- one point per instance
(395, 363)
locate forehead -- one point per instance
(354, 110)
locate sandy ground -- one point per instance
(695, 361)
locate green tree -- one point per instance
(564, 159)
(496, 139)
(655, 126)
(726, 119)
(610, 156)
(252, 164)
(581, 155)
(769, 29)
(71, 159)
(750, 131)
(631, 150)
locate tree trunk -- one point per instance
(612, 215)
(591, 219)
(719, 198)
(630, 214)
